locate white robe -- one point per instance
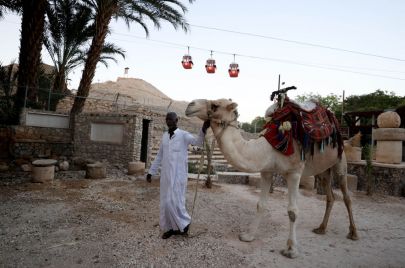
(173, 159)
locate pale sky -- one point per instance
(370, 27)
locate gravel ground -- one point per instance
(76, 222)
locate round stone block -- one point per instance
(389, 134)
(43, 170)
(136, 168)
(43, 174)
(44, 162)
(96, 171)
(389, 120)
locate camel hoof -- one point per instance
(290, 253)
(353, 236)
(319, 231)
(246, 237)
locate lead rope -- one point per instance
(201, 164)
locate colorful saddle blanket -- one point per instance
(318, 126)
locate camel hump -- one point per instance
(307, 106)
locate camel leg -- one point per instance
(249, 235)
(330, 199)
(341, 171)
(293, 180)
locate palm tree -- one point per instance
(8, 81)
(9, 5)
(32, 29)
(67, 39)
(130, 11)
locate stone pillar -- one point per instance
(389, 138)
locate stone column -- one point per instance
(389, 138)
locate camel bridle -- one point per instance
(222, 123)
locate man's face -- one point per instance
(171, 121)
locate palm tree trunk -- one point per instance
(103, 19)
(32, 32)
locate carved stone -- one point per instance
(389, 152)
(43, 170)
(389, 134)
(96, 171)
(136, 168)
(389, 120)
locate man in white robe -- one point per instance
(173, 160)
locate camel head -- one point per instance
(222, 110)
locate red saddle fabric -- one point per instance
(308, 127)
(283, 142)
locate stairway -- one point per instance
(218, 161)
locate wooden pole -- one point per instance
(343, 108)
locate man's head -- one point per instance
(171, 120)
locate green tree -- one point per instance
(246, 127)
(255, 126)
(258, 124)
(131, 11)
(67, 41)
(331, 101)
(378, 100)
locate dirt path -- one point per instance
(114, 223)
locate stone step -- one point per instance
(236, 177)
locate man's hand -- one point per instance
(149, 178)
(206, 125)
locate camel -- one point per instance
(257, 155)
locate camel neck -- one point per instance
(241, 153)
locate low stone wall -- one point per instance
(34, 142)
(388, 179)
(5, 135)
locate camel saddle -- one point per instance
(309, 127)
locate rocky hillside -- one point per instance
(126, 95)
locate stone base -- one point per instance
(352, 182)
(389, 152)
(136, 168)
(96, 171)
(233, 177)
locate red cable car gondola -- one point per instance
(233, 68)
(210, 65)
(187, 61)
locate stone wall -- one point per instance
(34, 142)
(388, 179)
(128, 150)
